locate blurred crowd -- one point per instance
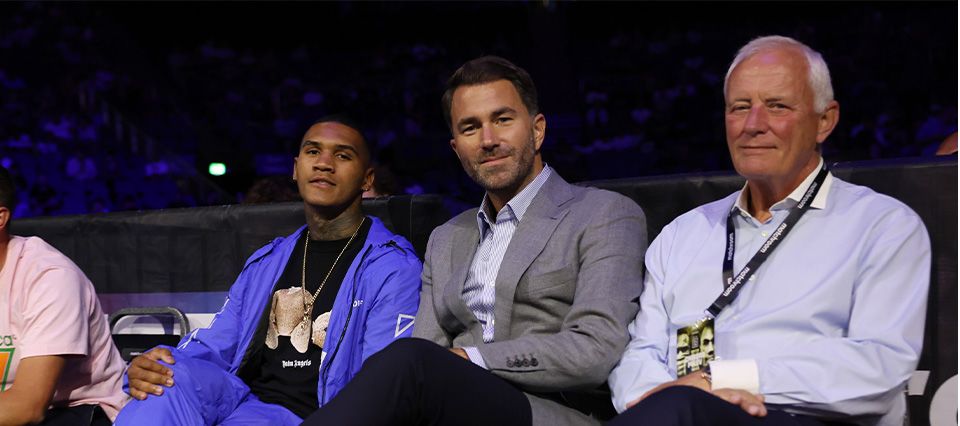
(94, 119)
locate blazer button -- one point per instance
(526, 362)
(510, 363)
(534, 362)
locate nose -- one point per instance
(324, 161)
(488, 136)
(756, 120)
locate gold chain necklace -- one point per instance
(283, 308)
(308, 304)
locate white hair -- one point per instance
(818, 75)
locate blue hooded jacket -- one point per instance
(376, 304)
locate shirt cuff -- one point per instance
(475, 357)
(735, 374)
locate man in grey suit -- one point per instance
(525, 301)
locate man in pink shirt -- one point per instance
(58, 364)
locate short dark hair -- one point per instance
(8, 194)
(346, 120)
(488, 69)
(342, 118)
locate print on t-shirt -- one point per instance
(6, 359)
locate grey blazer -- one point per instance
(567, 288)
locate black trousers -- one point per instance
(690, 406)
(80, 415)
(417, 382)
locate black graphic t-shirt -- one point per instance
(284, 376)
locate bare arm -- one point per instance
(27, 400)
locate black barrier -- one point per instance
(200, 251)
(928, 186)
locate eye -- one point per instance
(343, 156)
(739, 107)
(312, 151)
(777, 106)
(504, 120)
(468, 130)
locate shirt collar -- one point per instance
(819, 202)
(517, 206)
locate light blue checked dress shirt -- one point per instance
(479, 292)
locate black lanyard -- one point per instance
(733, 285)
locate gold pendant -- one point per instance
(320, 328)
(300, 337)
(272, 333)
(289, 317)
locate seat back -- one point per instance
(133, 340)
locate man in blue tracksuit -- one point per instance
(303, 315)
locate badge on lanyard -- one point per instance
(695, 348)
(695, 344)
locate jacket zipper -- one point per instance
(353, 295)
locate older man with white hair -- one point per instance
(800, 299)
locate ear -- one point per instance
(368, 179)
(453, 146)
(539, 130)
(828, 121)
(295, 159)
(5, 214)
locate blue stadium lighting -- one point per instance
(217, 169)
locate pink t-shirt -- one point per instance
(48, 307)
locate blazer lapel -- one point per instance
(463, 247)
(531, 236)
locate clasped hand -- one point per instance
(749, 402)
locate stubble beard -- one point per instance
(506, 176)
